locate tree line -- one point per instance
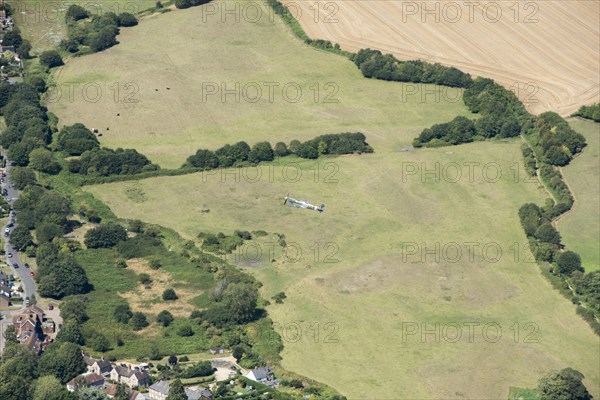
(241, 154)
(589, 112)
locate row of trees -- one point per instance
(108, 162)
(98, 34)
(501, 115)
(374, 64)
(590, 112)
(189, 3)
(241, 153)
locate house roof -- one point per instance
(198, 394)
(261, 373)
(90, 379)
(161, 387)
(128, 373)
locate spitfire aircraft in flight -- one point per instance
(302, 204)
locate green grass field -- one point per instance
(179, 51)
(43, 23)
(373, 210)
(580, 229)
(356, 287)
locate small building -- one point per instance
(217, 350)
(263, 375)
(111, 391)
(84, 381)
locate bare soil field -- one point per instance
(548, 52)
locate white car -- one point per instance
(9, 255)
(6, 230)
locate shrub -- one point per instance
(165, 318)
(169, 295)
(75, 13)
(185, 331)
(138, 321)
(144, 279)
(122, 313)
(105, 236)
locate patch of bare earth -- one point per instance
(149, 299)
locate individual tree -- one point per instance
(103, 39)
(569, 262)
(47, 231)
(51, 59)
(21, 177)
(24, 49)
(43, 160)
(71, 332)
(203, 159)
(10, 334)
(122, 313)
(177, 391)
(73, 308)
(50, 388)
(240, 300)
(63, 360)
(97, 341)
(12, 38)
(281, 149)
(547, 233)
(261, 151)
(138, 321)
(75, 13)
(127, 19)
(165, 318)
(121, 393)
(563, 385)
(105, 236)
(21, 238)
(38, 83)
(76, 139)
(61, 276)
(169, 295)
(18, 153)
(172, 359)
(92, 394)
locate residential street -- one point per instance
(22, 272)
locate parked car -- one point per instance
(31, 273)
(7, 230)
(26, 265)
(9, 255)
(10, 225)
(15, 265)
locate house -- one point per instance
(28, 324)
(158, 391)
(86, 380)
(130, 377)
(100, 367)
(260, 374)
(217, 350)
(198, 394)
(111, 391)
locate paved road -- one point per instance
(26, 280)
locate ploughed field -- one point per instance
(546, 51)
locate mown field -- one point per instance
(580, 228)
(373, 211)
(152, 91)
(356, 277)
(43, 23)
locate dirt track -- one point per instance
(548, 52)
